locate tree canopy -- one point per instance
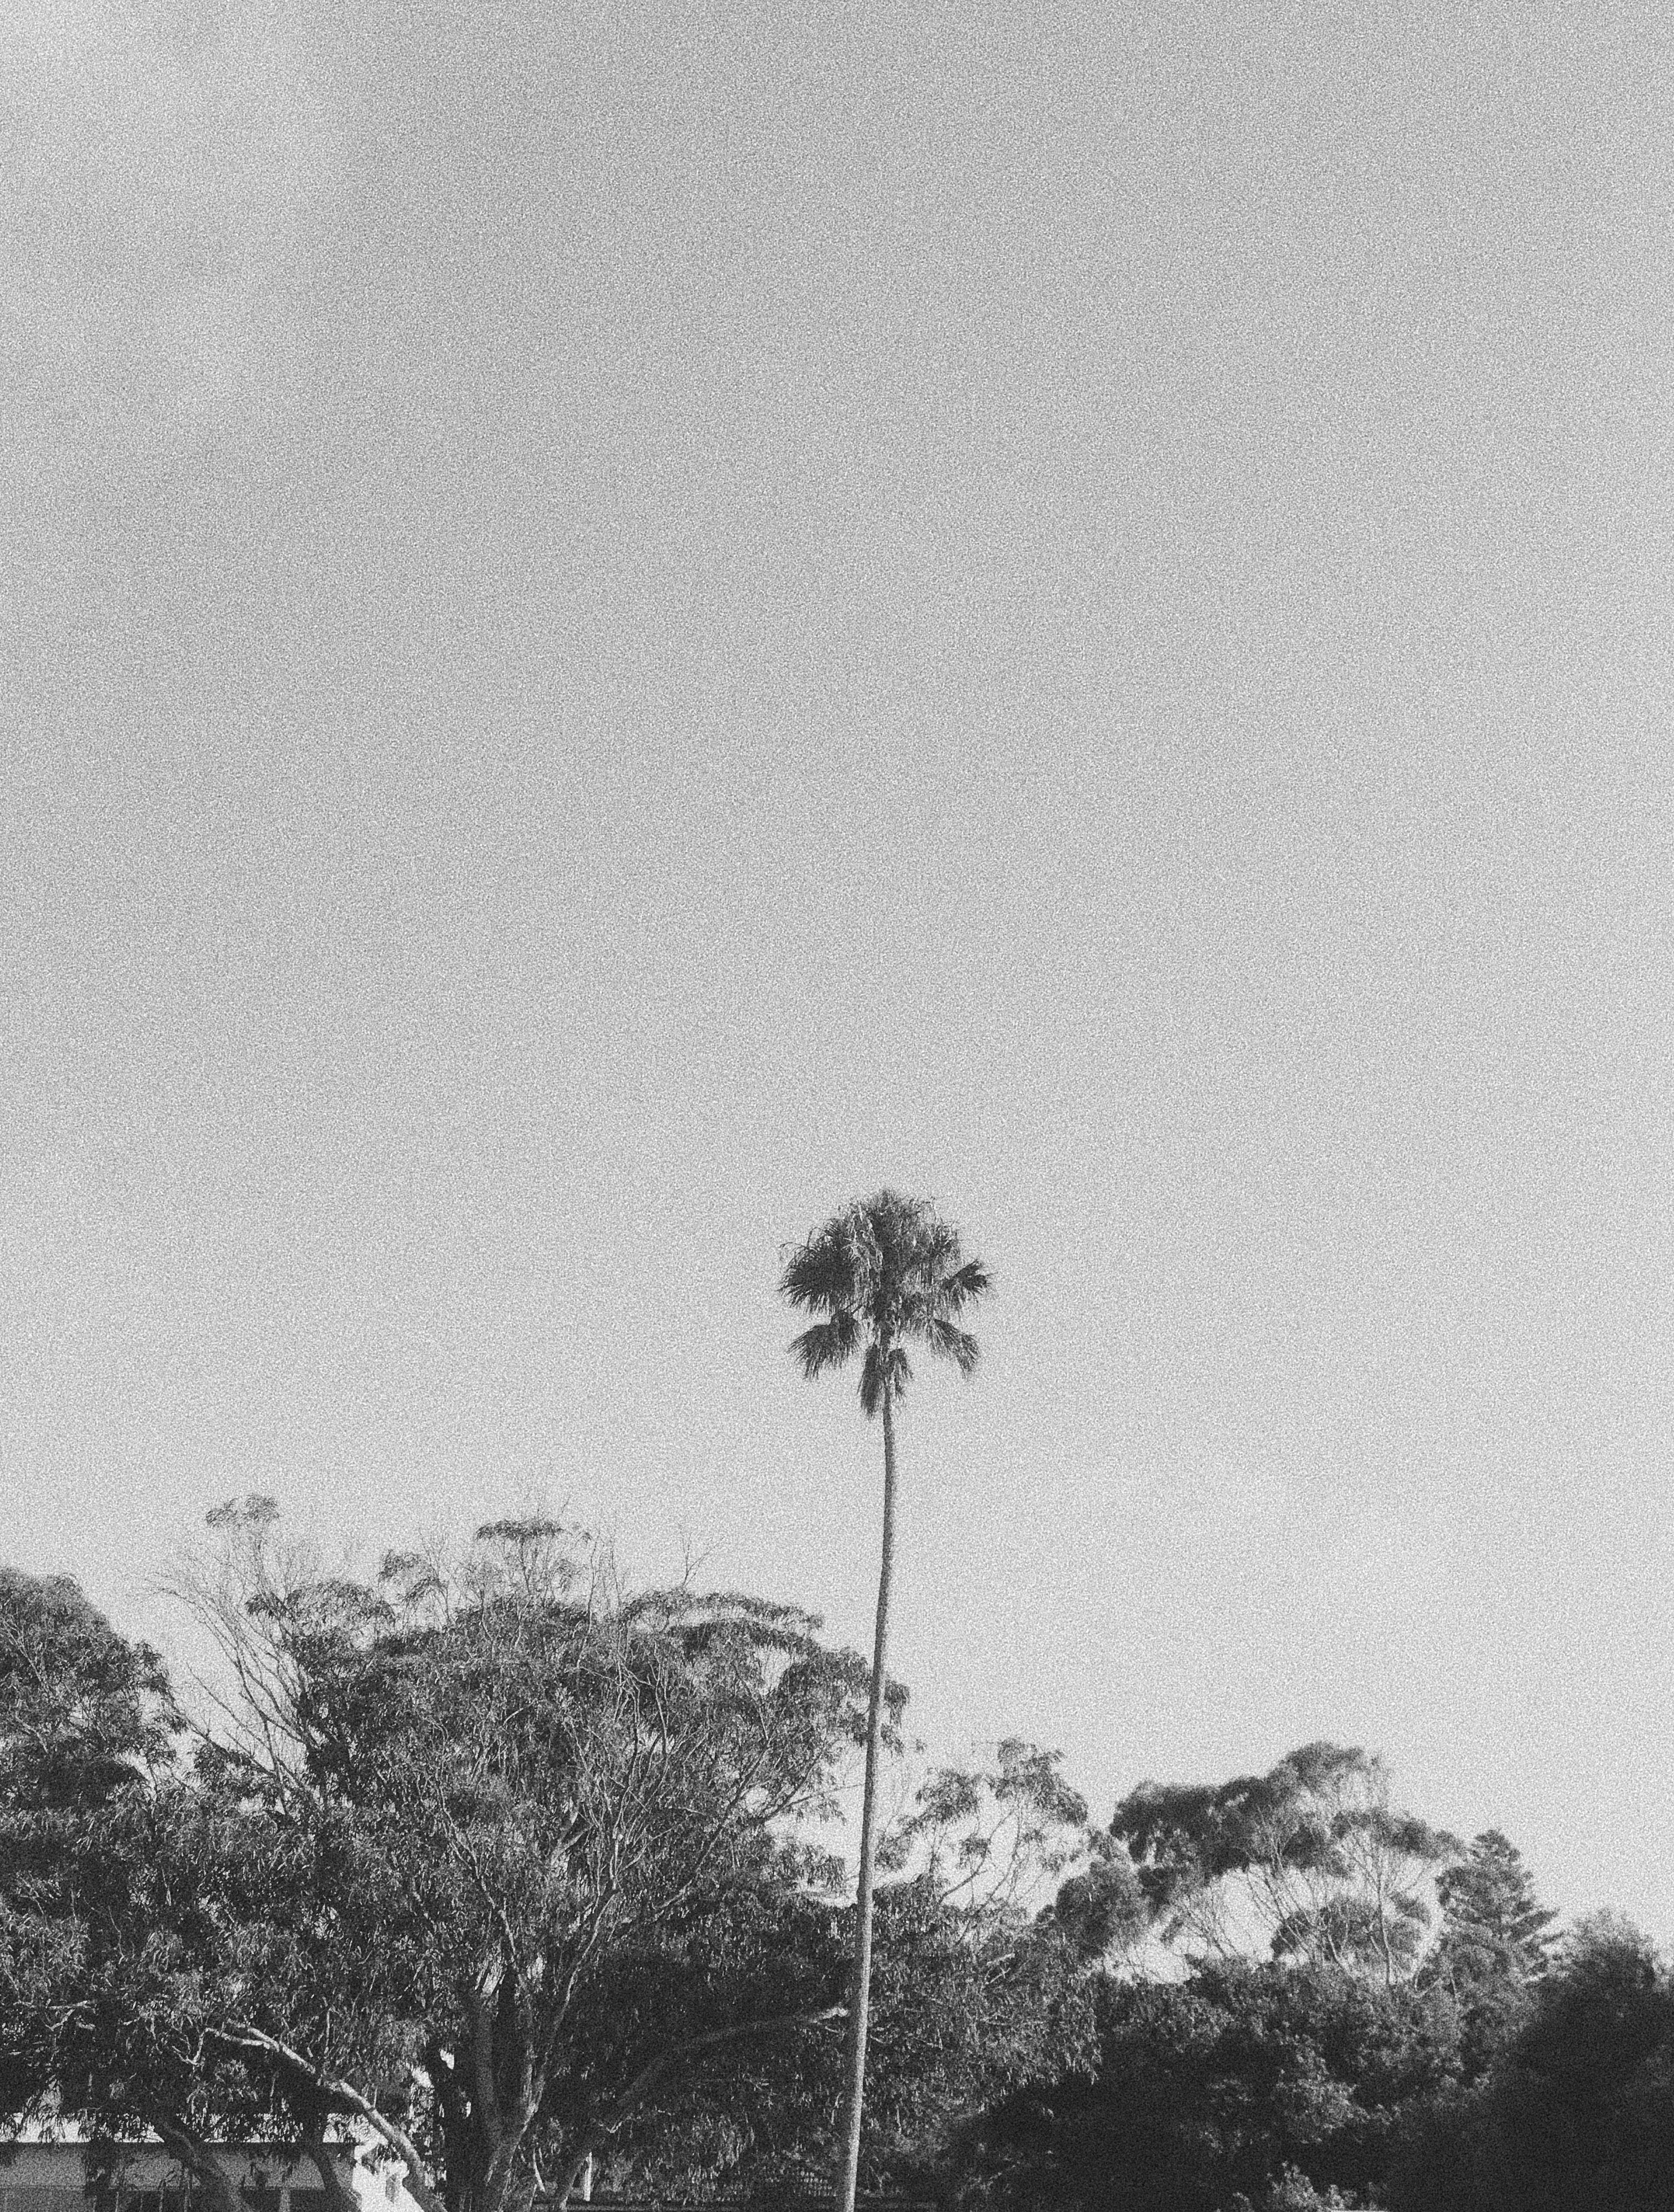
(489, 1856)
(451, 1819)
(884, 1275)
(1311, 1861)
(519, 1872)
(1229, 2088)
(1574, 2112)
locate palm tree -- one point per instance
(885, 1273)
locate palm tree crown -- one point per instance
(885, 1273)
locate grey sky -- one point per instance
(620, 623)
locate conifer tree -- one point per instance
(1490, 1912)
(1496, 1946)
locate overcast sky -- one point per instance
(618, 624)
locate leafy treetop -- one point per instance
(885, 1273)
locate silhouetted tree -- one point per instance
(884, 1275)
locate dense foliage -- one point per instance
(526, 1875)
(517, 1870)
(1207, 2092)
(1575, 2112)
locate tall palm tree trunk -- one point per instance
(848, 2169)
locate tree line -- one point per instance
(523, 1875)
(528, 1874)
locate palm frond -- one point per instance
(885, 1269)
(891, 1370)
(821, 1276)
(938, 1249)
(964, 1287)
(826, 1344)
(948, 1342)
(895, 1219)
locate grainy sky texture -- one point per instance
(620, 623)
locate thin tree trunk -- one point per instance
(848, 2170)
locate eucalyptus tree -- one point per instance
(487, 1858)
(545, 1811)
(1312, 1858)
(885, 1274)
